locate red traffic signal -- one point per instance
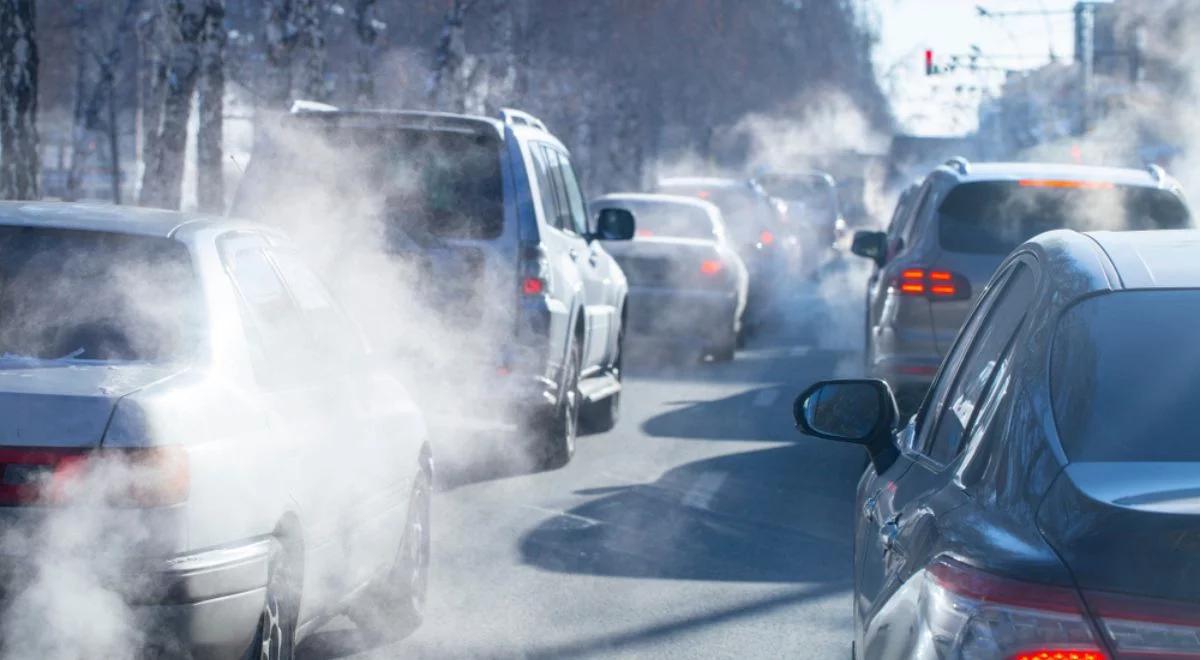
(928, 62)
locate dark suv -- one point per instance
(949, 235)
(488, 218)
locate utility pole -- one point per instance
(1085, 55)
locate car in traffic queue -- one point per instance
(1041, 503)
(687, 284)
(772, 253)
(948, 236)
(809, 201)
(184, 394)
(491, 214)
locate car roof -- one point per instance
(1010, 171)
(704, 181)
(1164, 258)
(402, 119)
(117, 219)
(656, 198)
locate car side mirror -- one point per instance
(870, 244)
(861, 412)
(614, 225)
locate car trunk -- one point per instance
(1128, 527)
(676, 263)
(63, 405)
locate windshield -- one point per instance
(1125, 379)
(995, 217)
(671, 220)
(82, 295)
(423, 184)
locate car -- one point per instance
(184, 395)
(1041, 502)
(811, 206)
(687, 284)
(491, 215)
(756, 228)
(948, 237)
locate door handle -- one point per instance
(888, 532)
(870, 506)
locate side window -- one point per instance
(929, 199)
(276, 333)
(974, 377)
(333, 332)
(545, 189)
(563, 221)
(574, 195)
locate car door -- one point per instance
(574, 236)
(596, 267)
(565, 285)
(296, 402)
(897, 528)
(369, 461)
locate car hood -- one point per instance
(1130, 528)
(66, 404)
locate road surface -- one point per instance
(702, 526)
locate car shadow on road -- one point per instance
(774, 515)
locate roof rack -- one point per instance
(961, 164)
(514, 117)
(1157, 172)
(301, 105)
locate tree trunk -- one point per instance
(310, 23)
(367, 28)
(20, 164)
(279, 33)
(161, 182)
(152, 81)
(210, 188)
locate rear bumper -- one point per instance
(200, 605)
(681, 315)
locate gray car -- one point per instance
(183, 395)
(1042, 503)
(949, 235)
(687, 284)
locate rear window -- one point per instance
(672, 220)
(746, 212)
(421, 184)
(813, 198)
(1125, 377)
(995, 217)
(83, 295)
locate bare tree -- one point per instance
(19, 160)
(310, 24)
(454, 68)
(280, 34)
(210, 188)
(367, 28)
(182, 26)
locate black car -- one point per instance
(1044, 502)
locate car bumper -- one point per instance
(199, 605)
(681, 314)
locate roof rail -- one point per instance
(301, 105)
(514, 117)
(962, 165)
(1157, 172)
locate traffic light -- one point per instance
(928, 61)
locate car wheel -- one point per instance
(396, 606)
(602, 415)
(275, 637)
(725, 350)
(556, 435)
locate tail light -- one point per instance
(932, 284)
(141, 477)
(711, 267)
(534, 270)
(1145, 628)
(765, 237)
(974, 614)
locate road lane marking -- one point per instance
(705, 488)
(765, 398)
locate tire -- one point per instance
(395, 607)
(726, 349)
(275, 636)
(556, 430)
(603, 415)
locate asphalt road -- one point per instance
(702, 526)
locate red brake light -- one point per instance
(644, 233)
(766, 237)
(704, 194)
(139, 477)
(932, 283)
(1064, 183)
(1061, 654)
(533, 286)
(711, 266)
